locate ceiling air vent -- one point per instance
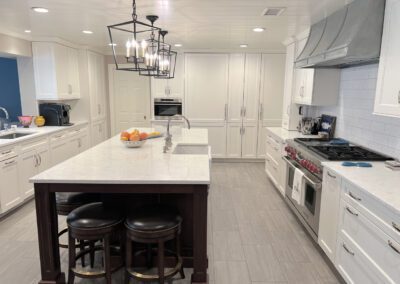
(275, 11)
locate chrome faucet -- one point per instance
(7, 117)
(168, 138)
(5, 112)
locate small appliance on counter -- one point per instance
(327, 125)
(309, 125)
(55, 114)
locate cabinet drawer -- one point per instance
(382, 249)
(353, 265)
(273, 149)
(79, 130)
(386, 219)
(31, 145)
(7, 152)
(60, 136)
(331, 179)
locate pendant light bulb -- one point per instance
(128, 49)
(144, 47)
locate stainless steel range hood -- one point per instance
(350, 36)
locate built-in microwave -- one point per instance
(166, 107)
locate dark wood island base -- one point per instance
(191, 201)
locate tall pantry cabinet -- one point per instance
(222, 94)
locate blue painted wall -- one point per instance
(10, 97)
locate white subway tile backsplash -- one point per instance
(355, 119)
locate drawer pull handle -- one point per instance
(393, 247)
(396, 227)
(347, 249)
(331, 175)
(9, 163)
(6, 152)
(350, 211)
(354, 197)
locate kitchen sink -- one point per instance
(15, 135)
(191, 149)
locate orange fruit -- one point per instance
(134, 137)
(124, 135)
(143, 136)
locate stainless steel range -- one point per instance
(307, 154)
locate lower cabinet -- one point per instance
(9, 184)
(241, 141)
(60, 148)
(275, 166)
(329, 213)
(99, 132)
(34, 158)
(216, 137)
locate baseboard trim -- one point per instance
(237, 160)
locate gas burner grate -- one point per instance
(348, 153)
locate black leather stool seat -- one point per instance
(153, 218)
(68, 201)
(94, 216)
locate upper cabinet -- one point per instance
(169, 87)
(387, 100)
(97, 88)
(206, 87)
(315, 87)
(56, 71)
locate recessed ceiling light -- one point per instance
(87, 32)
(258, 30)
(28, 31)
(178, 45)
(243, 45)
(112, 44)
(40, 9)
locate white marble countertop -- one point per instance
(37, 132)
(380, 182)
(112, 163)
(286, 134)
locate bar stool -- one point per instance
(68, 201)
(92, 222)
(154, 224)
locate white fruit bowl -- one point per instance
(133, 144)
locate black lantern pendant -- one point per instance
(166, 61)
(135, 44)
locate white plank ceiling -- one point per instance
(197, 24)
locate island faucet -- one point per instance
(7, 116)
(168, 138)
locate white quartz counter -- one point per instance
(380, 182)
(37, 132)
(286, 134)
(112, 163)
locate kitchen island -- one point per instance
(180, 178)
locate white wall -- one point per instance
(355, 120)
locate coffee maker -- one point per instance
(55, 114)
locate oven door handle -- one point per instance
(315, 184)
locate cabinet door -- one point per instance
(206, 86)
(73, 73)
(84, 142)
(93, 85)
(60, 152)
(28, 163)
(98, 133)
(234, 140)
(236, 88)
(249, 141)
(262, 138)
(10, 195)
(387, 100)
(216, 137)
(252, 88)
(61, 57)
(101, 87)
(43, 154)
(273, 80)
(329, 214)
(300, 75)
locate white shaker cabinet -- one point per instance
(34, 158)
(290, 111)
(329, 213)
(99, 132)
(97, 89)
(9, 186)
(56, 71)
(387, 100)
(271, 96)
(315, 87)
(60, 147)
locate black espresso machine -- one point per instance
(55, 114)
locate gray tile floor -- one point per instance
(253, 237)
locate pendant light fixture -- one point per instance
(135, 45)
(166, 61)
